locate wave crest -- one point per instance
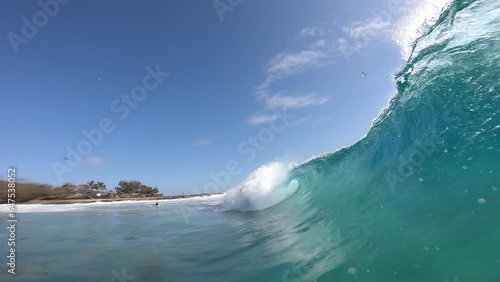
(262, 189)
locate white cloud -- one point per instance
(263, 88)
(290, 102)
(319, 43)
(311, 32)
(302, 120)
(359, 35)
(94, 160)
(256, 120)
(202, 142)
(287, 64)
(291, 63)
(347, 48)
(321, 52)
(342, 42)
(367, 29)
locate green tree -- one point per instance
(84, 191)
(128, 187)
(91, 184)
(155, 191)
(65, 191)
(91, 188)
(148, 191)
(101, 186)
(135, 188)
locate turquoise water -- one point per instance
(415, 200)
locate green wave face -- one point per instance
(416, 199)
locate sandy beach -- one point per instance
(87, 201)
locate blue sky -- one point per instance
(231, 69)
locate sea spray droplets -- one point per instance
(481, 201)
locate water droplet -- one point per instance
(363, 74)
(352, 270)
(494, 188)
(445, 150)
(465, 167)
(481, 201)
(420, 179)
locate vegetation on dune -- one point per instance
(27, 191)
(135, 188)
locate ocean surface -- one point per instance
(415, 200)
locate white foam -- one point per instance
(263, 188)
(418, 17)
(22, 208)
(33, 208)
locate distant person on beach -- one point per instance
(156, 204)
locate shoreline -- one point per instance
(135, 199)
